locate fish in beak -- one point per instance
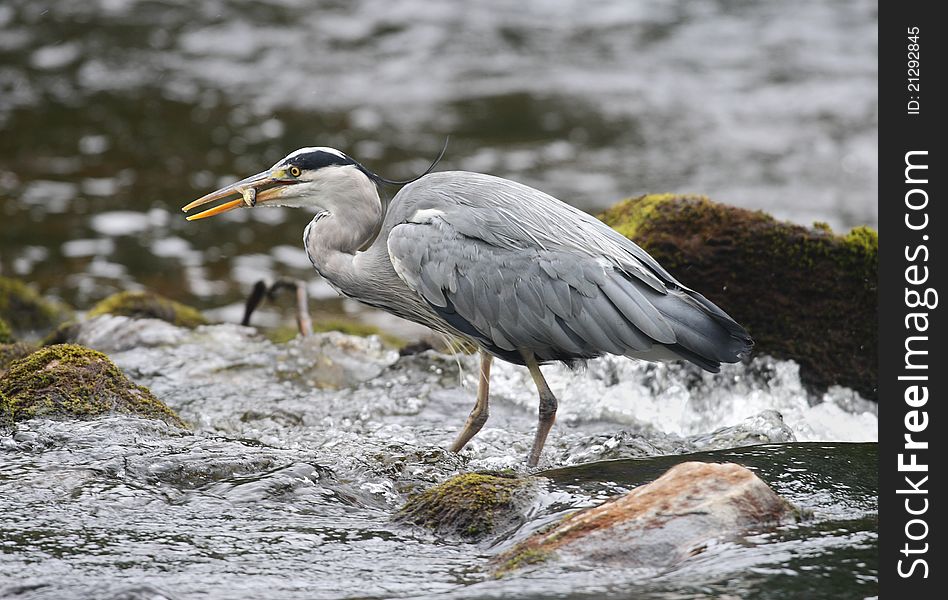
(256, 188)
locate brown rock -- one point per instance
(659, 524)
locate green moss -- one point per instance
(471, 505)
(6, 336)
(629, 217)
(804, 294)
(149, 305)
(521, 558)
(6, 411)
(24, 310)
(864, 240)
(70, 381)
(12, 352)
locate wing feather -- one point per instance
(519, 270)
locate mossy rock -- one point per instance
(25, 311)
(148, 305)
(471, 506)
(804, 294)
(13, 352)
(70, 381)
(6, 336)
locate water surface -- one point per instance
(301, 453)
(116, 113)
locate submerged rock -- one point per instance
(333, 360)
(767, 427)
(659, 524)
(141, 304)
(25, 311)
(804, 294)
(472, 506)
(70, 381)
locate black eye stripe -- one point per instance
(312, 161)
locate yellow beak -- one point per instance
(256, 188)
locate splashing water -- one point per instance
(300, 453)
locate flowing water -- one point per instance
(115, 113)
(301, 453)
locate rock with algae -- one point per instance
(25, 311)
(472, 506)
(660, 524)
(143, 304)
(804, 294)
(70, 381)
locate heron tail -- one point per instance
(705, 334)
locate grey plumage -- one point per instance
(517, 269)
(528, 278)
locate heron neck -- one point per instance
(335, 236)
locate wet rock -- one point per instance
(143, 305)
(766, 427)
(333, 360)
(804, 294)
(25, 311)
(70, 381)
(112, 333)
(623, 444)
(472, 506)
(659, 524)
(353, 327)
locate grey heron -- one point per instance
(527, 278)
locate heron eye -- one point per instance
(295, 171)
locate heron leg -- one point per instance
(547, 410)
(261, 290)
(480, 412)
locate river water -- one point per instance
(301, 453)
(115, 113)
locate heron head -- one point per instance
(308, 177)
(320, 178)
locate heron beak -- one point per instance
(256, 188)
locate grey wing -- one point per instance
(517, 269)
(558, 305)
(507, 214)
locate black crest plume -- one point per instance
(379, 179)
